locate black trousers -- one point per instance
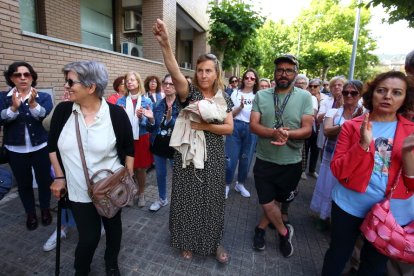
(21, 165)
(88, 222)
(344, 233)
(310, 144)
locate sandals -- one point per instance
(187, 254)
(221, 255)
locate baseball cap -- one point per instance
(287, 57)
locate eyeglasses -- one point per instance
(19, 75)
(288, 72)
(168, 84)
(313, 86)
(233, 81)
(153, 81)
(250, 78)
(353, 93)
(71, 82)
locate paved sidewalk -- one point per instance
(145, 246)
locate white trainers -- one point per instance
(158, 204)
(242, 190)
(226, 195)
(141, 201)
(51, 242)
(102, 231)
(314, 174)
(303, 176)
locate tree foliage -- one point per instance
(233, 24)
(327, 30)
(321, 37)
(397, 10)
(273, 39)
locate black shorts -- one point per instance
(276, 182)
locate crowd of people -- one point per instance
(204, 131)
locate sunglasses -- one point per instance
(233, 81)
(313, 86)
(250, 78)
(211, 56)
(19, 75)
(168, 84)
(71, 82)
(353, 93)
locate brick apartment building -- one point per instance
(51, 33)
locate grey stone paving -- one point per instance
(145, 246)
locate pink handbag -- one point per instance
(386, 235)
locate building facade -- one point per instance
(51, 33)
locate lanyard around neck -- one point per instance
(279, 110)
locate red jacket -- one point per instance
(353, 166)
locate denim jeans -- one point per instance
(239, 148)
(161, 171)
(344, 233)
(67, 218)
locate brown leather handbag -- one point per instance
(112, 192)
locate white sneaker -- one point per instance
(51, 242)
(303, 176)
(242, 190)
(141, 201)
(314, 174)
(158, 204)
(226, 195)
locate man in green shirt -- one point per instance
(282, 118)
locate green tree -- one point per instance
(232, 26)
(397, 10)
(326, 34)
(273, 39)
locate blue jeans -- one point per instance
(67, 218)
(239, 148)
(344, 233)
(161, 171)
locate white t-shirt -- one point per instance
(244, 114)
(315, 104)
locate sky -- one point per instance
(391, 39)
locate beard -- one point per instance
(283, 85)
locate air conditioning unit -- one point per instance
(131, 49)
(132, 21)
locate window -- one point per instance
(28, 15)
(97, 23)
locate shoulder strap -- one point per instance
(82, 153)
(394, 186)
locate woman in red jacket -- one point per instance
(366, 173)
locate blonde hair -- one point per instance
(335, 79)
(141, 88)
(219, 82)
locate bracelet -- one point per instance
(59, 177)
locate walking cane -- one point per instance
(58, 231)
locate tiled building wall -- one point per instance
(48, 55)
